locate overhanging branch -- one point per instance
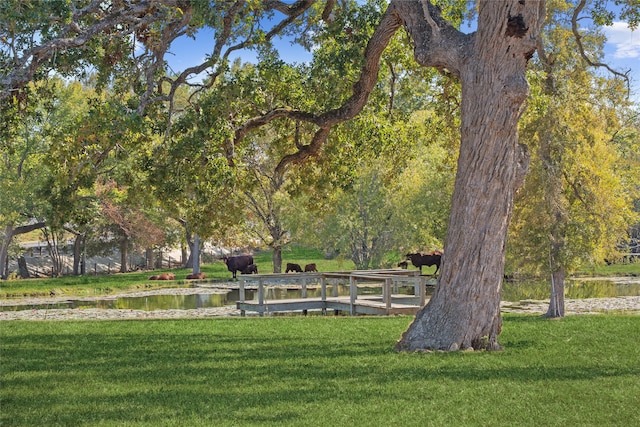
(362, 88)
(583, 54)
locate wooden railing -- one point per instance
(390, 281)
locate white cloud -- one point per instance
(626, 43)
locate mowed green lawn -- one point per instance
(334, 371)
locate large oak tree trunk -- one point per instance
(464, 311)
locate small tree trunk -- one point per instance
(23, 270)
(556, 304)
(83, 263)
(195, 254)
(77, 253)
(189, 238)
(184, 256)
(277, 259)
(552, 153)
(4, 251)
(124, 254)
(53, 244)
(149, 256)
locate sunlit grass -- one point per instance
(581, 370)
(630, 269)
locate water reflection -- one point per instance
(573, 289)
(512, 291)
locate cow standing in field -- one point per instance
(428, 259)
(310, 268)
(238, 263)
(294, 268)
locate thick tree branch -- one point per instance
(28, 228)
(361, 89)
(292, 12)
(437, 43)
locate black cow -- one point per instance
(428, 259)
(310, 268)
(250, 269)
(237, 263)
(294, 268)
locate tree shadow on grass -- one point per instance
(120, 374)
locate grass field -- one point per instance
(578, 371)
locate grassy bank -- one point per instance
(581, 370)
(90, 285)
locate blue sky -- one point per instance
(622, 51)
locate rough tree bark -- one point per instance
(464, 311)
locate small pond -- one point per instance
(512, 291)
(573, 288)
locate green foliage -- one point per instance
(296, 371)
(202, 174)
(577, 202)
(625, 10)
(24, 151)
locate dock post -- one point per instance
(304, 293)
(261, 296)
(386, 294)
(241, 295)
(334, 292)
(353, 294)
(323, 294)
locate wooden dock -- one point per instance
(388, 302)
